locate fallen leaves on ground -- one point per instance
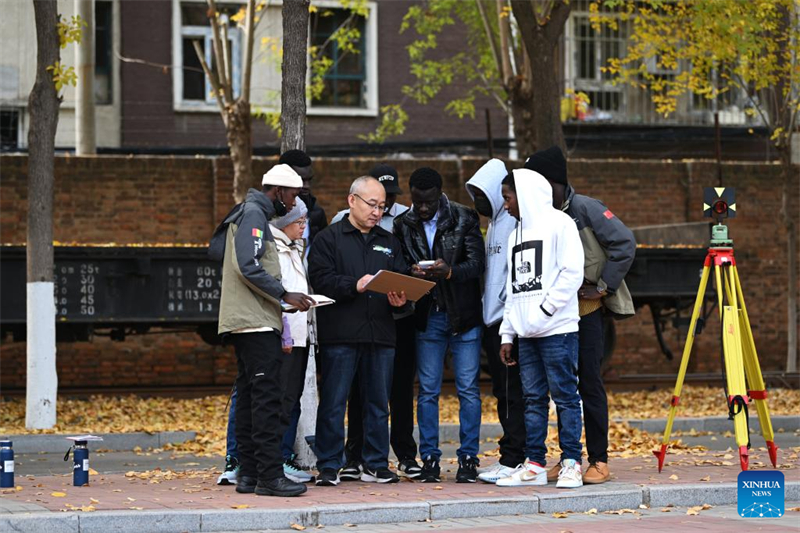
(58, 494)
(84, 508)
(694, 511)
(208, 416)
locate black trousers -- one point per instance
(507, 388)
(259, 418)
(401, 401)
(591, 386)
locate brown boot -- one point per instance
(552, 474)
(596, 473)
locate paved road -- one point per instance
(721, 519)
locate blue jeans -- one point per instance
(551, 363)
(431, 347)
(339, 363)
(230, 445)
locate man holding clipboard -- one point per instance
(357, 332)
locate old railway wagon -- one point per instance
(118, 291)
(123, 290)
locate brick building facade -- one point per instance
(129, 200)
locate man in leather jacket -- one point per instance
(317, 220)
(447, 234)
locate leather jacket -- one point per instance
(459, 243)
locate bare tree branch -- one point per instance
(212, 78)
(505, 42)
(217, 47)
(226, 64)
(559, 13)
(490, 37)
(161, 66)
(249, 37)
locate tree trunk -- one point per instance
(792, 252)
(293, 74)
(522, 102)
(238, 129)
(42, 380)
(85, 137)
(541, 43)
(307, 425)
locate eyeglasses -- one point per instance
(378, 208)
(301, 222)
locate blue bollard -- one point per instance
(6, 464)
(80, 463)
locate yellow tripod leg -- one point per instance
(687, 350)
(734, 373)
(757, 388)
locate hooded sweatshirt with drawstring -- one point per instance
(489, 179)
(545, 259)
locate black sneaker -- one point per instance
(328, 477)
(467, 469)
(431, 473)
(351, 471)
(409, 468)
(381, 475)
(280, 487)
(246, 484)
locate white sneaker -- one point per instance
(527, 474)
(497, 472)
(570, 476)
(293, 471)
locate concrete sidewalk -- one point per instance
(167, 502)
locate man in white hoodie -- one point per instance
(545, 261)
(485, 188)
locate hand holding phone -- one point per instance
(426, 264)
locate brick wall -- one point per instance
(180, 199)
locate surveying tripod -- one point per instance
(739, 350)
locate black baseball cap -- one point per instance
(387, 175)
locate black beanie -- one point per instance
(549, 163)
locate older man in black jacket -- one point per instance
(446, 234)
(358, 332)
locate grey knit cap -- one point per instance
(298, 211)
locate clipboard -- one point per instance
(386, 281)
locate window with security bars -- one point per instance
(345, 83)
(587, 50)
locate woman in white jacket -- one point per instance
(288, 233)
(545, 271)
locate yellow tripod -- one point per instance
(739, 350)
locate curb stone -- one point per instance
(697, 494)
(252, 519)
(50, 443)
(380, 513)
(180, 521)
(580, 502)
(36, 523)
(171, 521)
(474, 508)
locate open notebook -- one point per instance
(319, 298)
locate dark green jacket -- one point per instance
(609, 248)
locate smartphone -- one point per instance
(426, 264)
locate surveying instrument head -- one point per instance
(744, 383)
(719, 203)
